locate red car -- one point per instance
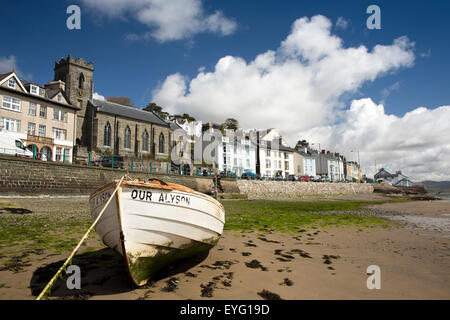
(305, 178)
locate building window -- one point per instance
(34, 89)
(107, 135)
(145, 141)
(58, 153)
(286, 155)
(60, 97)
(41, 131)
(12, 83)
(161, 143)
(268, 153)
(286, 165)
(31, 129)
(267, 163)
(81, 81)
(59, 134)
(43, 112)
(127, 139)
(11, 103)
(247, 149)
(41, 92)
(60, 115)
(10, 124)
(32, 109)
(224, 147)
(279, 165)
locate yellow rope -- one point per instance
(79, 244)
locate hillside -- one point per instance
(437, 186)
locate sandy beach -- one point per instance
(311, 263)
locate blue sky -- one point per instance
(40, 37)
(34, 36)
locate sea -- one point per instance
(444, 196)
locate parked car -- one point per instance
(292, 177)
(248, 175)
(108, 162)
(11, 145)
(305, 178)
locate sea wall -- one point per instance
(28, 177)
(273, 189)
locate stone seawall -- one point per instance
(28, 177)
(273, 189)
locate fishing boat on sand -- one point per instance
(154, 223)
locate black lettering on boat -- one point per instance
(161, 198)
(172, 198)
(141, 195)
(134, 194)
(149, 196)
(188, 201)
(178, 199)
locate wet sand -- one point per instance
(309, 264)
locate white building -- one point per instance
(233, 151)
(304, 163)
(274, 157)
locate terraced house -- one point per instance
(42, 115)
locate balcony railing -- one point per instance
(38, 139)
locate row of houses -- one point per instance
(61, 119)
(266, 153)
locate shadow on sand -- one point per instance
(103, 272)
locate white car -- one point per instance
(12, 145)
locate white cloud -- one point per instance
(7, 64)
(294, 88)
(98, 96)
(167, 19)
(341, 23)
(298, 88)
(416, 143)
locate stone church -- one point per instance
(107, 127)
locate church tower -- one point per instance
(78, 76)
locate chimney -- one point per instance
(55, 85)
(323, 151)
(328, 152)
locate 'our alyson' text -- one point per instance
(163, 197)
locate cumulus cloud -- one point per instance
(166, 19)
(299, 88)
(98, 96)
(416, 143)
(293, 88)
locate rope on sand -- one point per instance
(50, 284)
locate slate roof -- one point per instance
(128, 112)
(5, 75)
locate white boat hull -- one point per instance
(151, 225)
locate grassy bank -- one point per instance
(289, 216)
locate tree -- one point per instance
(125, 101)
(185, 116)
(231, 123)
(302, 144)
(153, 107)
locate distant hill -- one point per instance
(437, 186)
